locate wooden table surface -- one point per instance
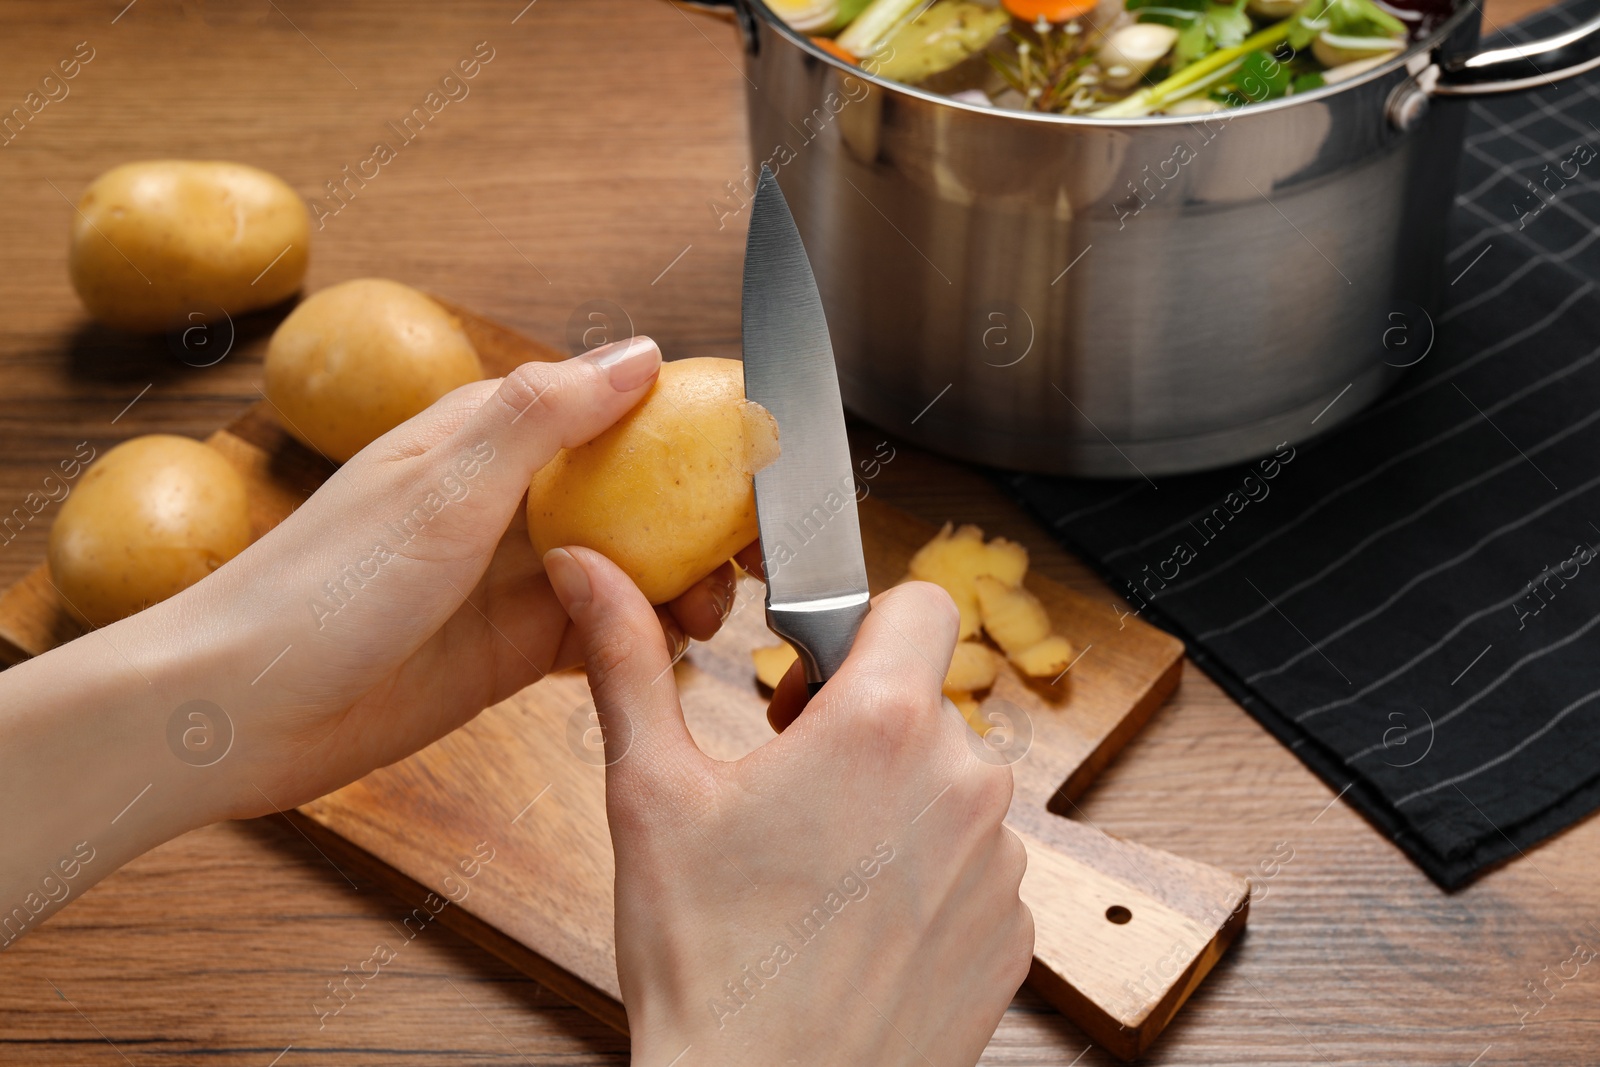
(580, 168)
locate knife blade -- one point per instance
(806, 499)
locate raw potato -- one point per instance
(956, 557)
(773, 663)
(666, 492)
(973, 666)
(155, 515)
(1046, 659)
(1011, 615)
(357, 359)
(174, 242)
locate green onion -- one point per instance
(1152, 97)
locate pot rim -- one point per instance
(1403, 58)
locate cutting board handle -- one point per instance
(1116, 957)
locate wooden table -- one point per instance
(580, 167)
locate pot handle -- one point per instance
(740, 12)
(1524, 66)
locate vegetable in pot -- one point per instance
(817, 16)
(1128, 54)
(1356, 18)
(1221, 26)
(875, 23)
(1048, 10)
(937, 39)
(1335, 49)
(1119, 59)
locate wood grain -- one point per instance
(213, 946)
(1085, 948)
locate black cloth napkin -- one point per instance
(1412, 604)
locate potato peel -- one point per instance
(761, 447)
(773, 662)
(985, 579)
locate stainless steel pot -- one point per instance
(1124, 298)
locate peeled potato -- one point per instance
(773, 663)
(666, 492)
(357, 359)
(171, 242)
(155, 515)
(1012, 616)
(972, 666)
(1047, 658)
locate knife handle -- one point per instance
(821, 631)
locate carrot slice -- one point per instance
(833, 48)
(1049, 10)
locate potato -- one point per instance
(172, 242)
(357, 359)
(1046, 659)
(1012, 616)
(666, 492)
(957, 556)
(773, 663)
(973, 666)
(155, 515)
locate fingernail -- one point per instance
(628, 364)
(722, 600)
(568, 579)
(677, 643)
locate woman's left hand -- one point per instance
(404, 596)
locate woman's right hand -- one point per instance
(845, 894)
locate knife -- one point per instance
(806, 499)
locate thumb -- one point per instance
(540, 408)
(630, 671)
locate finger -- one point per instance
(749, 557)
(702, 610)
(910, 632)
(677, 640)
(628, 662)
(540, 408)
(900, 655)
(899, 658)
(432, 425)
(789, 699)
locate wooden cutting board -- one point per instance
(1124, 933)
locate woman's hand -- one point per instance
(399, 601)
(405, 596)
(845, 894)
